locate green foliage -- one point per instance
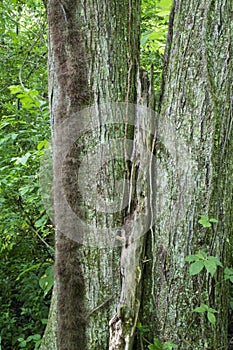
(46, 281)
(26, 234)
(228, 274)
(155, 38)
(154, 27)
(35, 339)
(205, 309)
(27, 98)
(202, 260)
(157, 345)
(206, 222)
(142, 329)
(198, 262)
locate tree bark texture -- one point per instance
(195, 127)
(94, 59)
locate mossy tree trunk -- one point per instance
(94, 59)
(195, 125)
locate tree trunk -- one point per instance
(194, 177)
(94, 59)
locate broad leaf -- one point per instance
(191, 258)
(169, 345)
(211, 317)
(199, 309)
(47, 280)
(204, 221)
(210, 266)
(228, 274)
(156, 346)
(215, 260)
(213, 220)
(202, 308)
(213, 311)
(196, 267)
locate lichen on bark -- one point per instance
(94, 58)
(195, 117)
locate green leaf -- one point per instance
(210, 266)
(211, 317)
(47, 280)
(213, 311)
(213, 220)
(154, 347)
(202, 308)
(43, 144)
(228, 271)
(204, 221)
(23, 344)
(20, 340)
(13, 136)
(165, 4)
(201, 255)
(22, 160)
(199, 309)
(157, 345)
(15, 89)
(34, 267)
(24, 190)
(142, 329)
(163, 13)
(41, 222)
(228, 274)
(156, 35)
(191, 258)
(169, 345)
(29, 338)
(215, 260)
(144, 39)
(35, 337)
(196, 267)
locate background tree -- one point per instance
(26, 234)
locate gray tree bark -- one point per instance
(195, 125)
(93, 59)
(103, 293)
